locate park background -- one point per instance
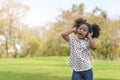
(38, 52)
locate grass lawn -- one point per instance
(53, 68)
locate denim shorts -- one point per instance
(82, 75)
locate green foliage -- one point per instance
(118, 50)
(54, 45)
(34, 47)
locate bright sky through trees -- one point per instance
(45, 11)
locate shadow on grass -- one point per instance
(9, 75)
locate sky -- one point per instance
(45, 11)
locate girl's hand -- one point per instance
(66, 34)
(89, 35)
(92, 43)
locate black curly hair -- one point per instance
(78, 22)
(94, 28)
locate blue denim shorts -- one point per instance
(82, 75)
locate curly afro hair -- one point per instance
(78, 22)
(94, 28)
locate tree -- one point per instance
(12, 12)
(100, 12)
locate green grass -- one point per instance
(53, 68)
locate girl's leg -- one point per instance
(76, 75)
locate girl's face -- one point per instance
(82, 31)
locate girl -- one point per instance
(80, 56)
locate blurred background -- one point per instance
(32, 28)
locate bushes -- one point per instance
(34, 47)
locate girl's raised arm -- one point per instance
(66, 34)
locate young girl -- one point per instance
(80, 46)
